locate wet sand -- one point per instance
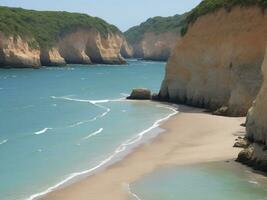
(191, 137)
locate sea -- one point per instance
(208, 181)
(61, 124)
(58, 124)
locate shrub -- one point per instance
(47, 26)
(156, 25)
(208, 6)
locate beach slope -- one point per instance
(191, 136)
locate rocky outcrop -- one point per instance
(217, 63)
(16, 52)
(126, 49)
(155, 38)
(105, 50)
(241, 142)
(38, 38)
(140, 94)
(155, 46)
(257, 116)
(51, 57)
(79, 47)
(257, 127)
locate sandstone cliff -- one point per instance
(56, 38)
(256, 154)
(126, 49)
(155, 38)
(16, 52)
(217, 63)
(154, 46)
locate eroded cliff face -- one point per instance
(126, 49)
(78, 47)
(16, 52)
(218, 62)
(155, 46)
(256, 153)
(105, 50)
(51, 57)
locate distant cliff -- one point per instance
(155, 38)
(33, 38)
(217, 62)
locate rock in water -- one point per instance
(140, 94)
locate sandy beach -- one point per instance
(191, 136)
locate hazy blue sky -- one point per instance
(122, 13)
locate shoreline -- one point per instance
(215, 143)
(122, 151)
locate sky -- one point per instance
(122, 13)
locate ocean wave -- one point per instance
(131, 193)
(101, 101)
(93, 102)
(3, 142)
(253, 182)
(93, 119)
(93, 134)
(108, 161)
(139, 136)
(42, 131)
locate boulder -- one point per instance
(241, 143)
(245, 155)
(222, 111)
(140, 94)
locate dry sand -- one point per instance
(190, 137)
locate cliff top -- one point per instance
(47, 26)
(208, 6)
(156, 25)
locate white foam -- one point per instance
(132, 193)
(124, 94)
(88, 101)
(93, 102)
(254, 182)
(93, 134)
(113, 156)
(42, 131)
(93, 119)
(3, 142)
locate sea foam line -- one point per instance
(103, 163)
(3, 142)
(93, 119)
(132, 193)
(42, 131)
(93, 134)
(93, 102)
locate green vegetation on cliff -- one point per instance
(156, 25)
(47, 26)
(208, 6)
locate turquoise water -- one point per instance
(217, 181)
(58, 123)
